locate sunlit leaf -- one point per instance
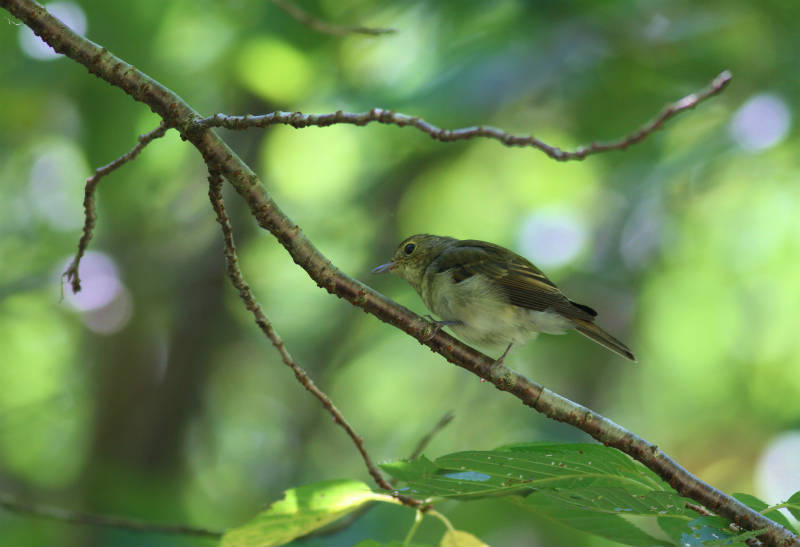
(301, 511)
(459, 538)
(794, 507)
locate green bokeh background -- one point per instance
(688, 245)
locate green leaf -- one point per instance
(302, 510)
(754, 503)
(715, 530)
(674, 528)
(751, 501)
(587, 486)
(703, 531)
(600, 510)
(619, 501)
(410, 470)
(610, 526)
(521, 469)
(794, 507)
(459, 538)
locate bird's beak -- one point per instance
(383, 268)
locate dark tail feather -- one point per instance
(590, 330)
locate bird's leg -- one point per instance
(502, 357)
(438, 325)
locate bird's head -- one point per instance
(414, 255)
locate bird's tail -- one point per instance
(590, 330)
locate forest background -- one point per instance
(152, 395)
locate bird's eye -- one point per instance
(409, 248)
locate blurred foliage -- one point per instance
(153, 395)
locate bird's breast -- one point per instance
(483, 312)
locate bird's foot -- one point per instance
(499, 361)
(438, 325)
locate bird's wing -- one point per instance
(524, 284)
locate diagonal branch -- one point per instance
(235, 275)
(390, 117)
(314, 23)
(90, 215)
(177, 113)
(93, 519)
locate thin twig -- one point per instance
(785, 504)
(444, 519)
(348, 521)
(414, 527)
(90, 214)
(324, 27)
(236, 277)
(443, 422)
(699, 509)
(91, 519)
(390, 117)
(179, 114)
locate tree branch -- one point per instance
(177, 113)
(390, 117)
(314, 23)
(235, 275)
(90, 215)
(55, 513)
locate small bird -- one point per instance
(490, 296)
